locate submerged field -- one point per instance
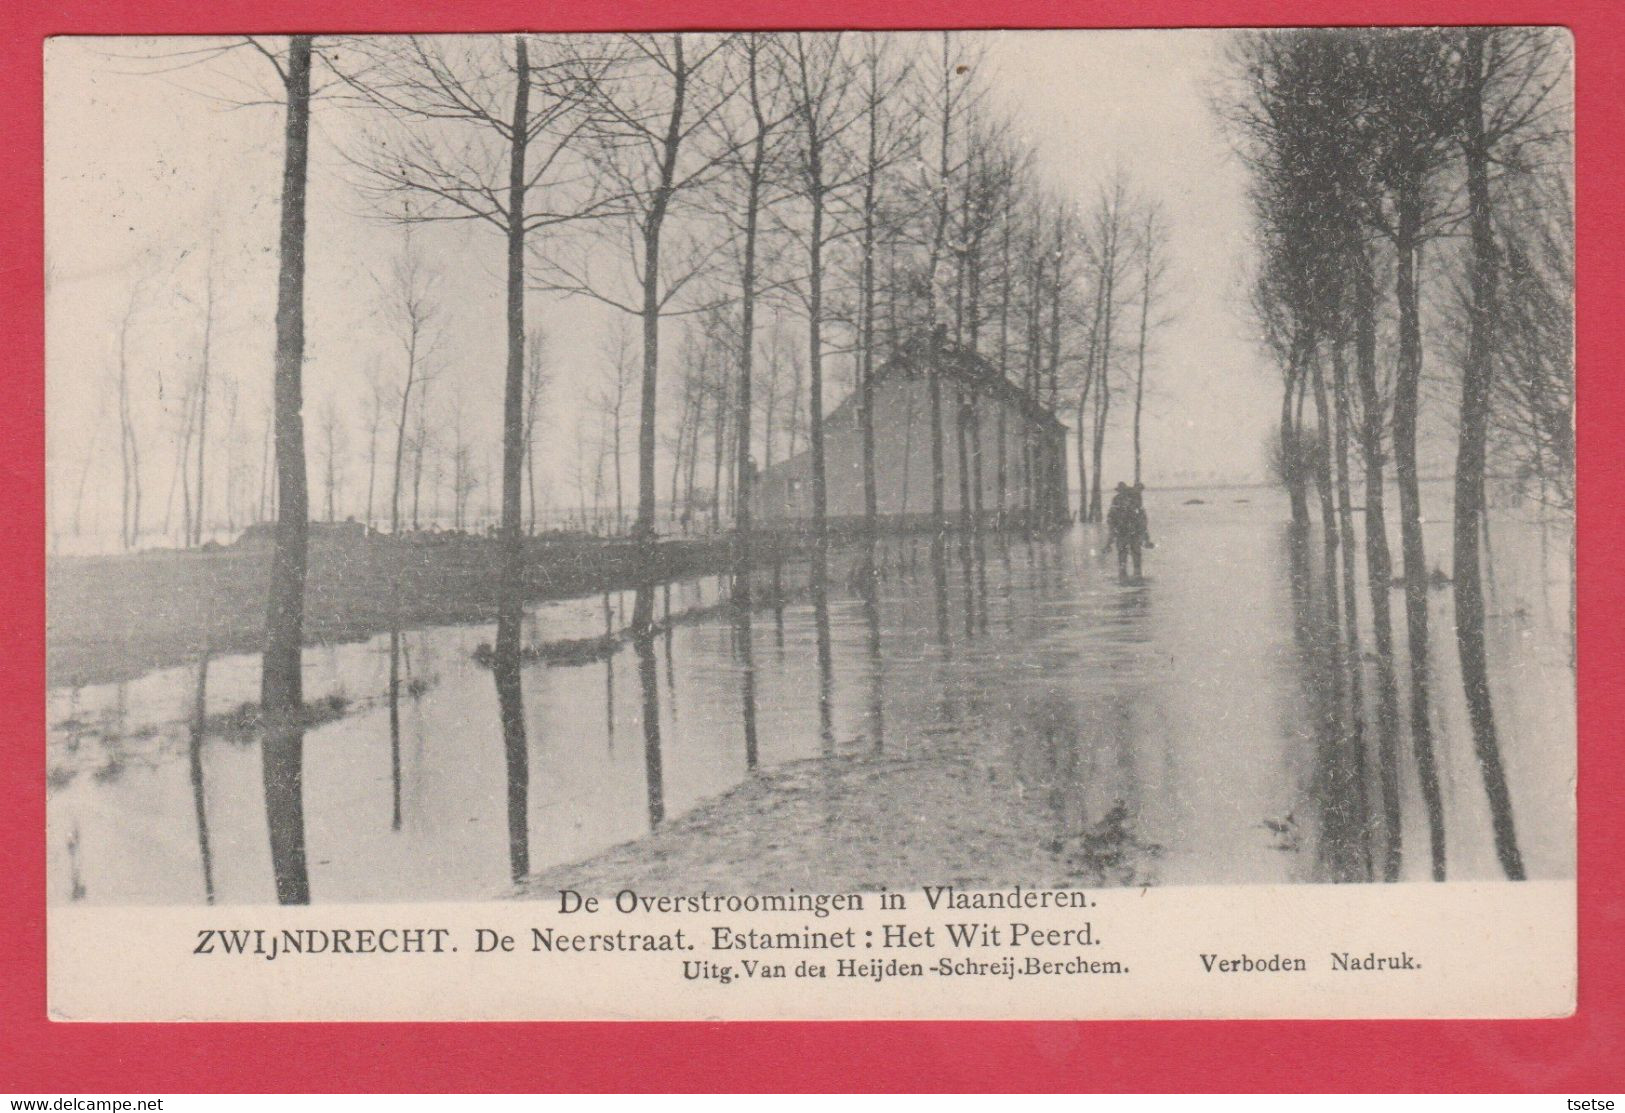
(112, 618)
(1016, 715)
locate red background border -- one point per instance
(1571, 1055)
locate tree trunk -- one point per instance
(815, 368)
(620, 507)
(372, 470)
(530, 481)
(649, 682)
(1103, 393)
(1476, 385)
(1056, 283)
(516, 759)
(1001, 479)
(330, 478)
(644, 529)
(203, 403)
(795, 409)
(511, 600)
(693, 462)
(962, 458)
(939, 519)
(419, 445)
(719, 446)
(281, 688)
(677, 455)
(771, 407)
(1029, 385)
(1103, 403)
(1352, 663)
(395, 729)
(1407, 389)
(939, 515)
(975, 428)
(400, 449)
(182, 477)
(746, 475)
(84, 474)
(129, 449)
(194, 761)
(1139, 375)
(1083, 457)
(1291, 449)
(1378, 559)
(1323, 489)
(866, 372)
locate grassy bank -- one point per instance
(114, 618)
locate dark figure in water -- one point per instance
(1127, 528)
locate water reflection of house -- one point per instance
(1014, 447)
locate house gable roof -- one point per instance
(963, 364)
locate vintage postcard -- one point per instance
(798, 525)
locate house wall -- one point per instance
(783, 492)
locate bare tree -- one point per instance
(719, 390)
(331, 431)
(377, 403)
(422, 449)
(1015, 169)
(487, 139)
(464, 480)
(1110, 233)
(948, 97)
(204, 369)
(797, 422)
(1409, 85)
(653, 101)
(752, 167)
(182, 417)
(581, 468)
(610, 400)
(1153, 245)
(129, 439)
(1507, 77)
(815, 72)
(281, 676)
(538, 377)
(773, 389)
(192, 422)
(887, 141)
(409, 293)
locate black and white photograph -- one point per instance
(484, 467)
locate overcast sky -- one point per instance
(141, 166)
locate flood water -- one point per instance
(1014, 713)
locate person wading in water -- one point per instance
(1127, 528)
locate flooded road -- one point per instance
(1013, 713)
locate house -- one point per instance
(1014, 450)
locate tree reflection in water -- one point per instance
(282, 752)
(1337, 782)
(747, 680)
(1086, 723)
(395, 728)
(609, 678)
(194, 757)
(669, 628)
(643, 644)
(516, 757)
(826, 656)
(869, 594)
